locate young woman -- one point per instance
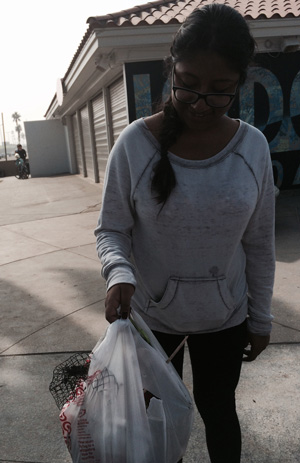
(186, 230)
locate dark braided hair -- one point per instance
(217, 28)
(164, 179)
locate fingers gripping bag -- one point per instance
(132, 407)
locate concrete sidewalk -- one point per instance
(52, 304)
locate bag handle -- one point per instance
(177, 350)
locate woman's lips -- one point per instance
(199, 115)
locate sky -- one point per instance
(38, 41)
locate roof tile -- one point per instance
(161, 12)
(175, 11)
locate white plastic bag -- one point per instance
(111, 420)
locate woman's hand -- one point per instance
(118, 296)
(257, 345)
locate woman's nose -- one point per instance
(200, 104)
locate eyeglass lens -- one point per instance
(216, 100)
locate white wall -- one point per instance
(47, 148)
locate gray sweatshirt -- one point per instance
(206, 260)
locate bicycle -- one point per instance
(21, 169)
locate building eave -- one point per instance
(109, 48)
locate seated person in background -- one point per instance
(21, 152)
(23, 155)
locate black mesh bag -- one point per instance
(67, 375)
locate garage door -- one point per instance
(87, 142)
(100, 134)
(118, 108)
(77, 143)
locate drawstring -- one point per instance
(176, 350)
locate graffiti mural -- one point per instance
(142, 95)
(144, 85)
(269, 100)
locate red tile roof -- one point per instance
(162, 12)
(174, 12)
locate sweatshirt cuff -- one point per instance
(260, 328)
(119, 275)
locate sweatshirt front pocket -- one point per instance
(194, 304)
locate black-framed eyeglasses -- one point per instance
(214, 100)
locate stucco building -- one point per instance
(116, 76)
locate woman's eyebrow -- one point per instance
(183, 74)
(225, 80)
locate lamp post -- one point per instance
(4, 137)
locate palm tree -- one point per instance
(19, 130)
(17, 118)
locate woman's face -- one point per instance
(204, 73)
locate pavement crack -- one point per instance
(31, 257)
(53, 216)
(285, 343)
(286, 326)
(19, 461)
(49, 324)
(73, 251)
(71, 352)
(89, 208)
(57, 249)
(35, 354)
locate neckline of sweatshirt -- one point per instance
(203, 163)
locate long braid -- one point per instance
(164, 179)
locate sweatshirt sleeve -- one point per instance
(116, 219)
(259, 245)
